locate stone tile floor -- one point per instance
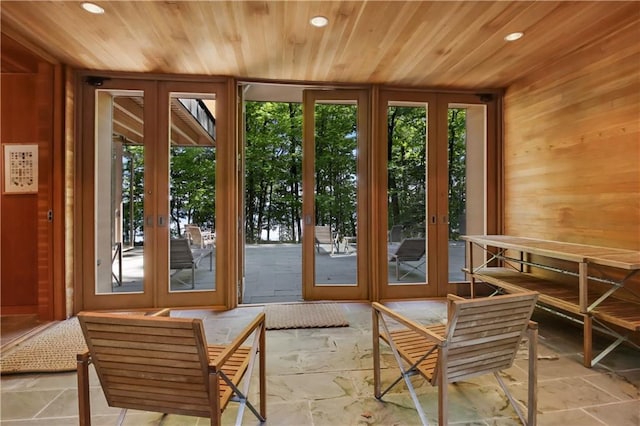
(324, 377)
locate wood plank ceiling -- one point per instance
(413, 43)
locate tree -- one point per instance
(457, 170)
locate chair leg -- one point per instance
(84, 404)
(443, 382)
(376, 354)
(413, 268)
(532, 403)
(263, 371)
(214, 399)
(121, 417)
(193, 276)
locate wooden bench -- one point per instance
(581, 301)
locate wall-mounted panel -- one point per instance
(572, 150)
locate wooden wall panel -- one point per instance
(572, 150)
(18, 215)
(27, 115)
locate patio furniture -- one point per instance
(163, 364)
(482, 336)
(350, 244)
(200, 238)
(395, 234)
(409, 250)
(182, 257)
(324, 235)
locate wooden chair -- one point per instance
(409, 250)
(200, 238)
(395, 234)
(182, 257)
(163, 364)
(324, 235)
(482, 336)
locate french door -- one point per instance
(432, 162)
(335, 195)
(149, 164)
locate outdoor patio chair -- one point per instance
(162, 364)
(409, 250)
(395, 234)
(182, 257)
(200, 238)
(324, 235)
(482, 336)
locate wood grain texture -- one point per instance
(414, 43)
(18, 217)
(571, 148)
(163, 364)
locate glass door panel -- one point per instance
(406, 155)
(192, 167)
(334, 181)
(335, 192)
(407, 193)
(192, 241)
(467, 141)
(119, 183)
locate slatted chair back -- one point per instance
(324, 235)
(163, 364)
(150, 363)
(411, 249)
(483, 335)
(199, 237)
(180, 254)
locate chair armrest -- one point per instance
(166, 312)
(450, 299)
(454, 297)
(258, 322)
(418, 328)
(84, 357)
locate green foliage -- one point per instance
(273, 159)
(273, 162)
(192, 187)
(457, 138)
(407, 168)
(336, 167)
(132, 192)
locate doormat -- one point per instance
(304, 315)
(52, 350)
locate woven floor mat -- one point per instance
(305, 315)
(52, 350)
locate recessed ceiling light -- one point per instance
(93, 8)
(514, 36)
(319, 21)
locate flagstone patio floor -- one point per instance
(323, 376)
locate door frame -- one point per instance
(156, 202)
(437, 202)
(162, 296)
(412, 290)
(361, 290)
(88, 298)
